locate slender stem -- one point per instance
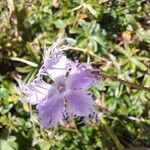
(135, 86)
(113, 78)
(85, 51)
(32, 121)
(111, 134)
(70, 130)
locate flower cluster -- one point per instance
(67, 95)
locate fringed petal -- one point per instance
(84, 79)
(59, 68)
(35, 92)
(51, 111)
(80, 104)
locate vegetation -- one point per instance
(114, 35)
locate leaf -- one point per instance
(112, 103)
(13, 99)
(73, 31)
(32, 52)
(24, 61)
(60, 24)
(96, 93)
(30, 76)
(25, 69)
(91, 10)
(9, 143)
(26, 107)
(144, 35)
(6, 109)
(146, 80)
(140, 64)
(45, 145)
(4, 145)
(81, 41)
(120, 50)
(99, 40)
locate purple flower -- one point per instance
(68, 96)
(57, 65)
(34, 92)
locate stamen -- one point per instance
(61, 88)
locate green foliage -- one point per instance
(91, 33)
(113, 33)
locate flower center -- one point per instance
(61, 88)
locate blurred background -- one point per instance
(114, 35)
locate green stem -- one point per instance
(84, 51)
(113, 78)
(111, 134)
(32, 121)
(135, 86)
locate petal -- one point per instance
(50, 61)
(60, 68)
(84, 79)
(37, 95)
(51, 111)
(80, 103)
(76, 67)
(35, 92)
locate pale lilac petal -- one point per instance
(80, 103)
(37, 95)
(55, 47)
(50, 61)
(60, 68)
(84, 79)
(76, 67)
(51, 111)
(34, 92)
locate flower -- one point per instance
(68, 96)
(34, 92)
(57, 65)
